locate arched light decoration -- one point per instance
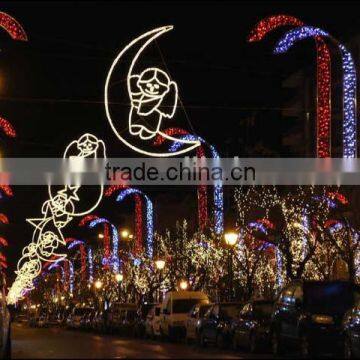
(113, 260)
(12, 27)
(81, 245)
(139, 238)
(4, 219)
(6, 189)
(323, 107)
(271, 23)
(86, 219)
(349, 82)
(57, 212)
(202, 196)
(7, 128)
(203, 217)
(148, 91)
(149, 215)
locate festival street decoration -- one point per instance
(349, 82)
(323, 88)
(57, 212)
(153, 97)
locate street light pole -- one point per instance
(119, 278)
(231, 239)
(160, 264)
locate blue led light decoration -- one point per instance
(91, 265)
(75, 243)
(349, 82)
(218, 188)
(115, 260)
(71, 277)
(149, 215)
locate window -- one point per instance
(183, 305)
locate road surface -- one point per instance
(30, 343)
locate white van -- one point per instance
(174, 311)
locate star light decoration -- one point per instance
(57, 212)
(349, 82)
(323, 108)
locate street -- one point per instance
(29, 343)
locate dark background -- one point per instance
(51, 88)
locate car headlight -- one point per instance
(322, 319)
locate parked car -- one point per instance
(152, 323)
(140, 320)
(309, 314)
(5, 320)
(121, 318)
(216, 325)
(351, 332)
(251, 329)
(174, 310)
(194, 321)
(76, 316)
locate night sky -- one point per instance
(51, 88)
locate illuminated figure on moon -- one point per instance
(153, 98)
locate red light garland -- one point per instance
(106, 241)
(3, 241)
(7, 190)
(323, 108)
(271, 23)
(267, 223)
(66, 275)
(112, 188)
(8, 129)
(83, 262)
(87, 218)
(12, 27)
(339, 197)
(159, 140)
(138, 224)
(329, 223)
(4, 219)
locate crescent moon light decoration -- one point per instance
(148, 91)
(349, 82)
(323, 88)
(57, 212)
